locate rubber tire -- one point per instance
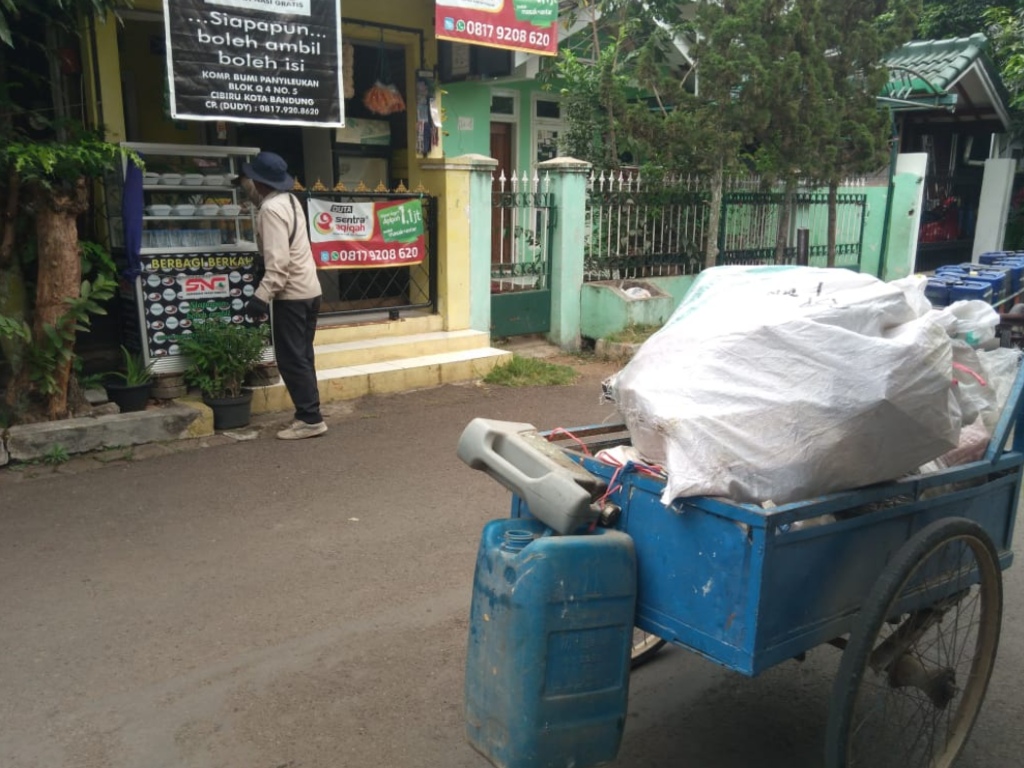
(644, 651)
(874, 613)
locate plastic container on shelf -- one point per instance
(1016, 269)
(170, 179)
(969, 290)
(991, 257)
(208, 209)
(997, 269)
(158, 210)
(184, 209)
(550, 632)
(936, 290)
(999, 281)
(193, 179)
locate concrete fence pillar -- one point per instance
(463, 187)
(568, 178)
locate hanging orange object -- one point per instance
(383, 99)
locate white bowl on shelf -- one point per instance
(230, 210)
(158, 210)
(193, 179)
(151, 177)
(208, 209)
(215, 180)
(170, 178)
(184, 209)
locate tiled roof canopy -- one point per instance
(955, 73)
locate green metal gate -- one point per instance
(750, 222)
(522, 224)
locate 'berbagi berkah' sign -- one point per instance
(255, 61)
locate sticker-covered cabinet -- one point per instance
(185, 237)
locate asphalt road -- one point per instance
(304, 605)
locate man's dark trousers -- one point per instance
(294, 325)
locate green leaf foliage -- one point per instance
(220, 354)
(136, 370)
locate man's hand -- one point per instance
(256, 308)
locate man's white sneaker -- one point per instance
(300, 430)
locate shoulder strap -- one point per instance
(295, 220)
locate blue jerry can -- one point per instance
(550, 632)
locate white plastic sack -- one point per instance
(783, 383)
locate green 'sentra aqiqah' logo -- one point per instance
(540, 13)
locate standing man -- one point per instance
(290, 282)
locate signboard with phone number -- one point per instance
(521, 25)
(347, 235)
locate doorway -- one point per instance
(501, 224)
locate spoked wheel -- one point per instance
(911, 684)
(645, 645)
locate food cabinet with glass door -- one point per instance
(197, 254)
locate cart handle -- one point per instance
(557, 491)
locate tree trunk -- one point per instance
(782, 236)
(833, 194)
(715, 216)
(60, 275)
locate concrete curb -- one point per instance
(615, 349)
(28, 442)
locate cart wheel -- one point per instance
(910, 685)
(645, 645)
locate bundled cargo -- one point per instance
(777, 384)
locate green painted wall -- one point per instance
(605, 310)
(472, 101)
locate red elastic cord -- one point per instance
(567, 433)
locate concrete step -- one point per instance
(378, 327)
(378, 378)
(378, 350)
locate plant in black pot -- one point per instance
(129, 389)
(220, 354)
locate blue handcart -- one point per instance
(905, 577)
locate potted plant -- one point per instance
(220, 354)
(129, 388)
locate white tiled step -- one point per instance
(354, 331)
(375, 350)
(421, 372)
